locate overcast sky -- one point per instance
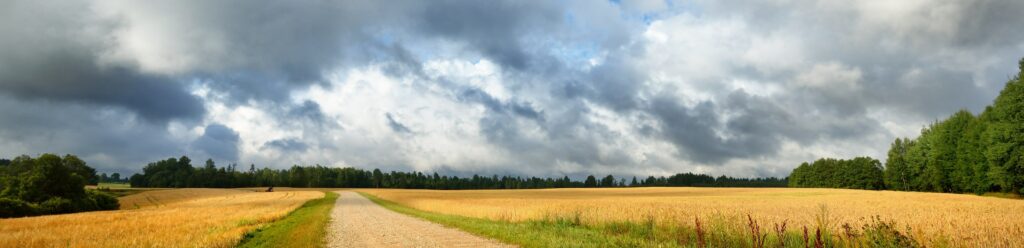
(536, 88)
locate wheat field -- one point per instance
(179, 218)
(168, 196)
(934, 219)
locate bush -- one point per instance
(57, 205)
(884, 234)
(49, 184)
(15, 208)
(104, 201)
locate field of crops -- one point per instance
(163, 218)
(932, 219)
(161, 197)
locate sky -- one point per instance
(531, 88)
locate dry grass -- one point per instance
(934, 219)
(182, 218)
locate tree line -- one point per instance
(963, 153)
(49, 184)
(857, 173)
(179, 173)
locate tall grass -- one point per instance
(569, 231)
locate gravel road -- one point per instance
(358, 222)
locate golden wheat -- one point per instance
(211, 218)
(934, 219)
(168, 196)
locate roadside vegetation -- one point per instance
(571, 231)
(670, 215)
(304, 227)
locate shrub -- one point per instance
(57, 205)
(104, 201)
(884, 234)
(15, 208)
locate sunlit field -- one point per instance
(933, 219)
(163, 197)
(165, 218)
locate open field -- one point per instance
(165, 218)
(162, 197)
(933, 219)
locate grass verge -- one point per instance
(304, 227)
(532, 233)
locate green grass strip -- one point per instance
(554, 233)
(304, 227)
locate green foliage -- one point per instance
(966, 153)
(897, 170)
(608, 181)
(49, 184)
(857, 173)
(172, 173)
(304, 227)
(104, 201)
(590, 182)
(10, 207)
(884, 234)
(963, 153)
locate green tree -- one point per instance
(1005, 136)
(48, 185)
(896, 165)
(591, 182)
(608, 181)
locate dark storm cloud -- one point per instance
(111, 141)
(522, 109)
(287, 145)
(56, 58)
(396, 126)
(308, 110)
(692, 130)
(271, 47)
(495, 28)
(563, 64)
(219, 142)
(989, 24)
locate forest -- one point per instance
(49, 184)
(179, 173)
(857, 173)
(964, 153)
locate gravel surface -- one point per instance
(358, 222)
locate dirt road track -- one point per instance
(358, 222)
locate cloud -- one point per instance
(532, 88)
(58, 57)
(396, 126)
(111, 140)
(287, 145)
(218, 142)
